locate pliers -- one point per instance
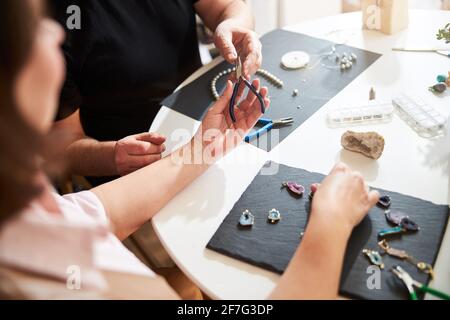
(268, 124)
(410, 283)
(240, 79)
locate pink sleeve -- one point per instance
(87, 202)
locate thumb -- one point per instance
(224, 42)
(374, 196)
(224, 100)
(150, 137)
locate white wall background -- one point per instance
(272, 14)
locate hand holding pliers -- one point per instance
(240, 79)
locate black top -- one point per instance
(126, 58)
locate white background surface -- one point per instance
(410, 164)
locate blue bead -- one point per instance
(441, 78)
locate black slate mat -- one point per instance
(316, 84)
(272, 246)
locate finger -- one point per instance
(251, 96)
(314, 187)
(223, 101)
(340, 168)
(263, 92)
(240, 94)
(140, 148)
(152, 137)
(256, 113)
(253, 60)
(137, 162)
(251, 64)
(374, 196)
(252, 99)
(224, 42)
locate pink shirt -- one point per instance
(58, 245)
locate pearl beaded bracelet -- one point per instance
(261, 72)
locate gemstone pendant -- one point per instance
(374, 257)
(247, 219)
(295, 188)
(395, 217)
(274, 216)
(426, 268)
(384, 201)
(392, 231)
(409, 225)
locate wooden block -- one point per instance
(387, 16)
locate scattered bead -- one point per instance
(295, 93)
(441, 78)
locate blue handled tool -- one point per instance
(268, 124)
(240, 79)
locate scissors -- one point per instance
(240, 79)
(410, 283)
(268, 124)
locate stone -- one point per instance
(384, 201)
(369, 144)
(247, 219)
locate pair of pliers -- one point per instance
(410, 283)
(268, 124)
(239, 80)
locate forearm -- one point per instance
(89, 157)
(134, 199)
(214, 12)
(314, 271)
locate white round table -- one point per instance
(410, 164)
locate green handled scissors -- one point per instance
(411, 283)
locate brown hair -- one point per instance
(19, 143)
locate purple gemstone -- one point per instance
(395, 217)
(295, 188)
(384, 201)
(409, 225)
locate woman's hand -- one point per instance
(138, 151)
(218, 133)
(233, 40)
(343, 198)
(339, 204)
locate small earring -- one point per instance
(374, 257)
(247, 219)
(274, 216)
